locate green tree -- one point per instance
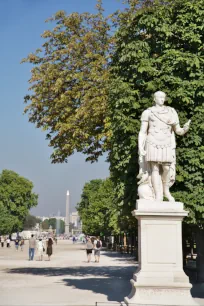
(30, 222)
(69, 84)
(97, 210)
(45, 224)
(8, 222)
(159, 46)
(53, 223)
(16, 199)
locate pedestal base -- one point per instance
(160, 279)
(152, 295)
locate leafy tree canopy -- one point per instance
(90, 85)
(159, 46)
(30, 222)
(8, 222)
(53, 222)
(97, 210)
(69, 84)
(16, 199)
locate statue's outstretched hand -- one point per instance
(187, 126)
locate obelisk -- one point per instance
(67, 214)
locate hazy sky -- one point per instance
(23, 147)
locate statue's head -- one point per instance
(159, 97)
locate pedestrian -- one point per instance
(22, 242)
(2, 241)
(32, 246)
(41, 249)
(55, 239)
(17, 243)
(89, 248)
(97, 248)
(49, 247)
(8, 241)
(74, 239)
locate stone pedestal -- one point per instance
(160, 279)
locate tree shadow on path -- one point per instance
(114, 288)
(112, 281)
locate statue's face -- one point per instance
(159, 98)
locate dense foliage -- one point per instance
(16, 199)
(55, 224)
(159, 47)
(69, 84)
(97, 210)
(30, 222)
(90, 85)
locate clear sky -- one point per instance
(23, 147)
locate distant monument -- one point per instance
(67, 213)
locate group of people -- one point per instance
(5, 240)
(93, 244)
(19, 242)
(41, 247)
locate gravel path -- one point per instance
(67, 279)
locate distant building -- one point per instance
(55, 217)
(75, 219)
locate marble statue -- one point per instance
(156, 145)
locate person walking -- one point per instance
(2, 241)
(8, 241)
(97, 249)
(89, 248)
(41, 249)
(49, 247)
(22, 242)
(32, 246)
(17, 243)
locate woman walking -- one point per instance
(89, 248)
(16, 244)
(40, 247)
(8, 241)
(49, 247)
(21, 243)
(2, 241)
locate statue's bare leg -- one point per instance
(166, 181)
(156, 182)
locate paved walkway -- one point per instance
(67, 279)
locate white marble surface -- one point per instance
(160, 279)
(156, 146)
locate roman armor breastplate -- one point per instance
(160, 129)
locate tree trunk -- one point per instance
(200, 254)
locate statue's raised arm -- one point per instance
(156, 146)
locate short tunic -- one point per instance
(160, 142)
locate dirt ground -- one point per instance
(67, 279)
